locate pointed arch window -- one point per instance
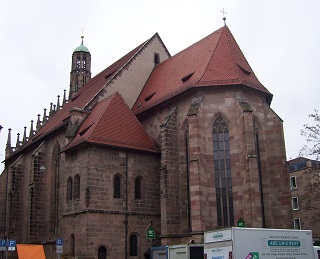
(83, 61)
(76, 187)
(102, 252)
(117, 187)
(133, 245)
(137, 188)
(222, 172)
(69, 189)
(78, 62)
(72, 245)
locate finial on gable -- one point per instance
(82, 29)
(44, 118)
(64, 98)
(18, 141)
(51, 110)
(38, 125)
(224, 18)
(24, 138)
(58, 104)
(31, 133)
(8, 146)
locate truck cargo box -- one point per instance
(183, 251)
(258, 243)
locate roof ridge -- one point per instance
(102, 126)
(213, 52)
(135, 118)
(233, 56)
(111, 98)
(238, 64)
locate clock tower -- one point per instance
(80, 69)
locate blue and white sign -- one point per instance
(59, 242)
(3, 244)
(12, 245)
(59, 246)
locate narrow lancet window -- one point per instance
(222, 172)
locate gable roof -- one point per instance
(112, 123)
(84, 98)
(216, 60)
(88, 92)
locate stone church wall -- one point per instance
(98, 218)
(242, 110)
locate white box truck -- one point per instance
(159, 252)
(258, 243)
(183, 251)
(187, 251)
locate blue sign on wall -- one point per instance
(59, 242)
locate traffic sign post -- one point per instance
(7, 245)
(59, 247)
(11, 245)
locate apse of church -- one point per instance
(185, 144)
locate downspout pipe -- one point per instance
(188, 179)
(56, 187)
(6, 205)
(126, 209)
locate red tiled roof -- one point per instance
(215, 60)
(111, 122)
(83, 98)
(87, 93)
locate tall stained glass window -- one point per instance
(222, 172)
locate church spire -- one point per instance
(80, 68)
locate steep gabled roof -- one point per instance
(215, 60)
(112, 123)
(85, 98)
(88, 92)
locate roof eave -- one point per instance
(67, 149)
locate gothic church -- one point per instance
(185, 144)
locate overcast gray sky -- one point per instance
(280, 40)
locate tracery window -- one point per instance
(222, 172)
